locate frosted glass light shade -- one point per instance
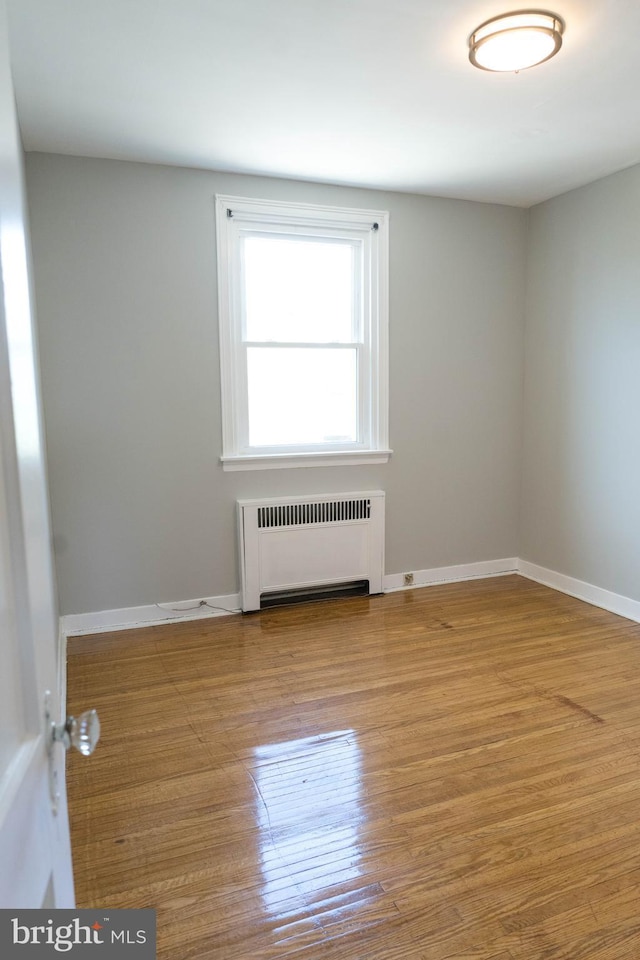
(515, 41)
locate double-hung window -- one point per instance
(303, 306)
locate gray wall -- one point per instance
(125, 274)
(581, 460)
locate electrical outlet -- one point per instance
(408, 579)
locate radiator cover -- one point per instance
(305, 543)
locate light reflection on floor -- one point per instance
(308, 809)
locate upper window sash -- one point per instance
(358, 279)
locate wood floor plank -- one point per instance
(452, 772)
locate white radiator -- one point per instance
(300, 545)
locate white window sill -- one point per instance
(277, 461)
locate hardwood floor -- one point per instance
(451, 772)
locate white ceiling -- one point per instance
(376, 93)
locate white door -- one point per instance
(35, 858)
(35, 855)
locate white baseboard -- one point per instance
(130, 617)
(461, 571)
(597, 596)
(613, 602)
(127, 618)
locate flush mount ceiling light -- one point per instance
(516, 41)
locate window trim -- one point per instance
(297, 216)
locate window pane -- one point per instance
(299, 291)
(301, 396)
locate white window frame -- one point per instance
(369, 229)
